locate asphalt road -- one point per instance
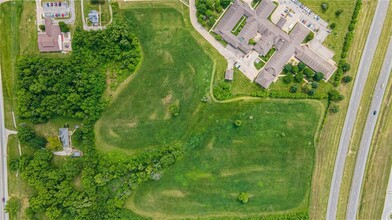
(359, 84)
(360, 165)
(3, 153)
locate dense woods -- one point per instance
(73, 87)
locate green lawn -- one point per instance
(334, 40)
(270, 155)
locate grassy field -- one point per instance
(335, 40)
(17, 187)
(330, 133)
(264, 156)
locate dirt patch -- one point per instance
(173, 193)
(153, 116)
(210, 144)
(113, 134)
(168, 98)
(226, 173)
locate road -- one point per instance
(230, 57)
(3, 153)
(359, 84)
(360, 165)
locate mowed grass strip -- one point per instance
(270, 155)
(330, 134)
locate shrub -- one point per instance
(318, 76)
(312, 92)
(309, 37)
(42, 27)
(334, 109)
(324, 6)
(252, 42)
(344, 66)
(243, 197)
(288, 78)
(12, 206)
(238, 123)
(338, 12)
(174, 110)
(332, 25)
(63, 27)
(294, 88)
(295, 69)
(347, 79)
(314, 85)
(335, 96)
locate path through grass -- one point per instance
(270, 154)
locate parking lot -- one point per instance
(56, 9)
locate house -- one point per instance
(51, 39)
(229, 75)
(64, 137)
(93, 17)
(287, 45)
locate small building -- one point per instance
(93, 17)
(51, 39)
(64, 137)
(229, 75)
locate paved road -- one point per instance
(230, 57)
(3, 153)
(359, 84)
(360, 165)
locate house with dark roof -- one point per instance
(286, 45)
(51, 39)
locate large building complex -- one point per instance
(259, 34)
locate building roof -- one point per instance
(229, 75)
(287, 45)
(314, 61)
(49, 41)
(93, 16)
(64, 136)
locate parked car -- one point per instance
(51, 4)
(59, 3)
(375, 112)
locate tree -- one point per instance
(42, 27)
(338, 12)
(312, 92)
(28, 137)
(308, 72)
(335, 96)
(54, 144)
(225, 3)
(318, 76)
(12, 206)
(287, 68)
(332, 25)
(314, 85)
(344, 66)
(288, 78)
(63, 27)
(301, 66)
(294, 88)
(299, 77)
(334, 109)
(324, 6)
(243, 197)
(97, 1)
(295, 69)
(347, 79)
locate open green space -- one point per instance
(270, 155)
(334, 40)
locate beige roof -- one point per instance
(229, 75)
(49, 41)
